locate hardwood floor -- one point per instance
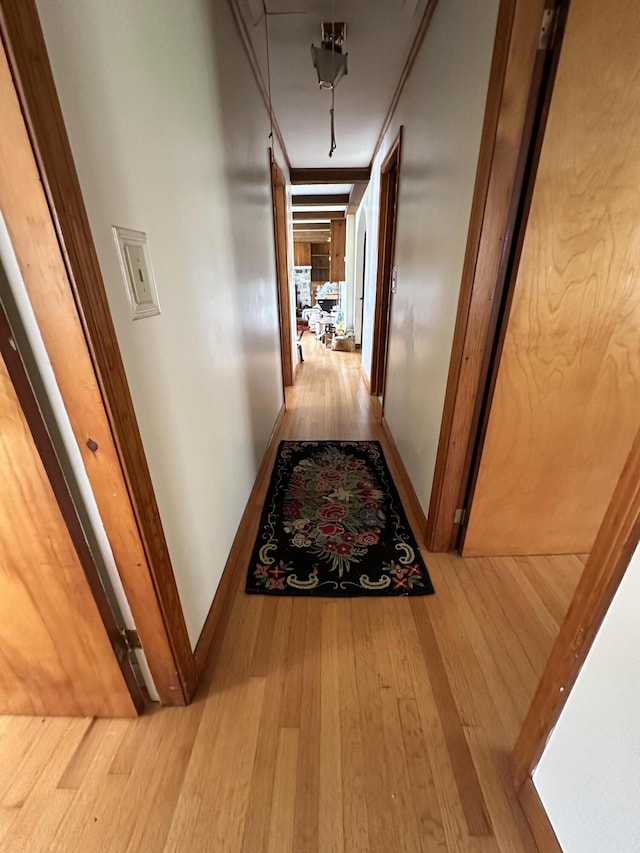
(321, 725)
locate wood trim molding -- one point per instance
(415, 509)
(349, 175)
(404, 74)
(279, 206)
(118, 473)
(537, 819)
(319, 200)
(615, 543)
(508, 98)
(318, 216)
(386, 249)
(237, 562)
(365, 378)
(257, 74)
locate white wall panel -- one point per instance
(442, 110)
(589, 775)
(170, 137)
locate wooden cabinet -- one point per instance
(320, 262)
(302, 254)
(338, 249)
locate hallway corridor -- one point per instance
(321, 725)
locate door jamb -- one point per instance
(504, 135)
(387, 226)
(145, 568)
(616, 541)
(279, 203)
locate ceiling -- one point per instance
(378, 40)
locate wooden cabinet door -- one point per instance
(55, 655)
(338, 249)
(302, 254)
(566, 405)
(320, 262)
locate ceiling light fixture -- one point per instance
(331, 65)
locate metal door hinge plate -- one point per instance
(547, 29)
(125, 642)
(460, 517)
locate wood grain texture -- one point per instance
(311, 713)
(59, 266)
(55, 654)
(414, 509)
(319, 200)
(348, 175)
(302, 254)
(510, 82)
(279, 199)
(338, 249)
(615, 543)
(313, 216)
(309, 234)
(538, 821)
(566, 405)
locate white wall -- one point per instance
(350, 271)
(170, 137)
(589, 775)
(442, 110)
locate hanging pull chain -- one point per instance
(333, 88)
(333, 130)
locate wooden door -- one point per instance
(566, 401)
(56, 657)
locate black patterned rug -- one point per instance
(332, 524)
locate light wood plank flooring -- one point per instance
(355, 725)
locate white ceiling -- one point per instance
(321, 189)
(379, 37)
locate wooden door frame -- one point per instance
(615, 544)
(279, 203)
(387, 227)
(46, 451)
(509, 125)
(118, 472)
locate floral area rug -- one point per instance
(333, 525)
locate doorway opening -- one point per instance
(324, 204)
(389, 187)
(279, 198)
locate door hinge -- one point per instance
(460, 517)
(124, 643)
(547, 29)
